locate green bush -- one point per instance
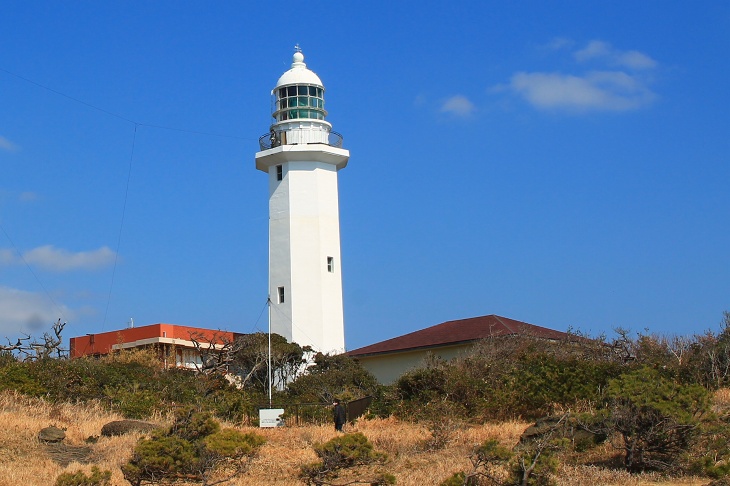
(657, 417)
(456, 479)
(79, 478)
(343, 452)
(486, 459)
(193, 425)
(192, 448)
(15, 376)
(232, 443)
(134, 385)
(134, 404)
(332, 376)
(502, 379)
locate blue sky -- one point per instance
(560, 163)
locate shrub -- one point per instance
(160, 457)
(505, 378)
(79, 478)
(487, 459)
(134, 404)
(344, 452)
(333, 376)
(536, 464)
(656, 417)
(193, 448)
(457, 479)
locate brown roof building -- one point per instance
(389, 359)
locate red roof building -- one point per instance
(389, 359)
(173, 343)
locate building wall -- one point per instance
(387, 368)
(105, 342)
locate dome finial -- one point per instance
(298, 58)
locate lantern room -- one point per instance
(298, 109)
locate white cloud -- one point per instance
(622, 84)
(22, 311)
(7, 145)
(458, 105)
(50, 258)
(636, 60)
(558, 43)
(594, 91)
(58, 260)
(594, 49)
(603, 51)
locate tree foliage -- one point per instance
(503, 378)
(333, 376)
(345, 452)
(132, 383)
(656, 418)
(250, 360)
(194, 448)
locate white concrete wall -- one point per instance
(303, 231)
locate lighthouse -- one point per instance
(301, 155)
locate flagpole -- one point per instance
(269, 354)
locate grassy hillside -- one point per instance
(25, 461)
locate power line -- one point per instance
(129, 174)
(67, 96)
(117, 115)
(256, 324)
(121, 225)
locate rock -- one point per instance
(121, 427)
(51, 434)
(64, 454)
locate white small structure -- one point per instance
(302, 155)
(271, 417)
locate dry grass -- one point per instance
(289, 448)
(24, 461)
(721, 401)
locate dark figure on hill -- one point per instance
(338, 414)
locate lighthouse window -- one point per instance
(279, 172)
(281, 294)
(300, 98)
(330, 264)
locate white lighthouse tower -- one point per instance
(302, 155)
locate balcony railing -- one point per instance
(277, 138)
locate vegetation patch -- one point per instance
(194, 448)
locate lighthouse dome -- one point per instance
(299, 95)
(298, 74)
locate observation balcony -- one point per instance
(277, 138)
